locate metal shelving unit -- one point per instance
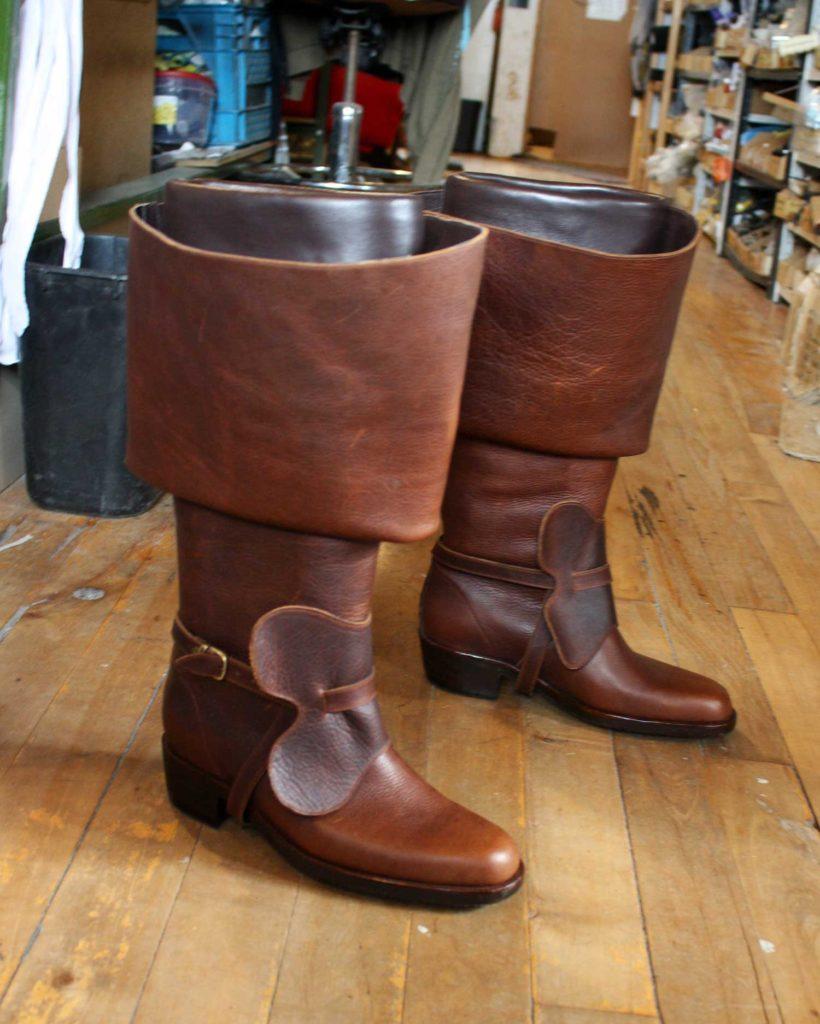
(802, 166)
(728, 180)
(744, 177)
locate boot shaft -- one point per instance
(232, 571)
(497, 497)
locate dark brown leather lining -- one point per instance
(283, 222)
(602, 218)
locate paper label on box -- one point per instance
(165, 110)
(606, 10)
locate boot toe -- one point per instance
(500, 862)
(397, 827)
(698, 699)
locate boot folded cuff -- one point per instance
(317, 397)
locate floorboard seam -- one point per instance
(165, 923)
(636, 879)
(81, 839)
(81, 654)
(275, 993)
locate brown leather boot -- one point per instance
(578, 305)
(272, 396)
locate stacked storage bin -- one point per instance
(235, 43)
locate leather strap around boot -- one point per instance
(321, 665)
(578, 610)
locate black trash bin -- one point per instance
(72, 369)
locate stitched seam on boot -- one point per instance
(468, 605)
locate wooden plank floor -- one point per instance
(669, 881)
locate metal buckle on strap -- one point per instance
(223, 657)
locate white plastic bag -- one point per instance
(46, 116)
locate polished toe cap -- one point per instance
(695, 698)
(396, 826)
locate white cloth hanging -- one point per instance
(46, 116)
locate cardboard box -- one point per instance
(730, 42)
(792, 272)
(721, 99)
(806, 140)
(788, 205)
(697, 61)
(760, 153)
(754, 250)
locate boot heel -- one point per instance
(468, 674)
(192, 791)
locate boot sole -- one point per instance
(203, 797)
(474, 676)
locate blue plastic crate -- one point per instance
(235, 43)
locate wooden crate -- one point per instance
(757, 259)
(760, 153)
(756, 56)
(788, 205)
(730, 42)
(721, 99)
(806, 140)
(697, 61)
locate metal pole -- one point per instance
(353, 39)
(343, 156)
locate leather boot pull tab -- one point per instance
(580, 612)
(530, 665)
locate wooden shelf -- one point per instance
(800, 233)
(233, 156)
(721, 114)
(767, 119)
(759, 176)
(810, 159)
(773, 74)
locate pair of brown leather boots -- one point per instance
(297, 381)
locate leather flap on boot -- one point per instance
(307, 657)
(580, 611)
